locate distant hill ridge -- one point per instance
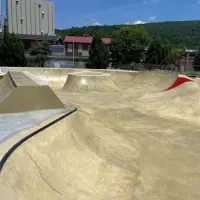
(186, 33)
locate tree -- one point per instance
(38, 53)
(11, 49)
(154, 51)
(98, 54)
(196, 63)
(177, 52)
(160, 52)
(39, 48)
(128, 45)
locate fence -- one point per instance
(146, 67)
(64, 64)
(185, 68)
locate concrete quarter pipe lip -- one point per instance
(179, 81)
(90, 73)
(19, 143)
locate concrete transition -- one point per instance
(140, 143)
(179, 81)
(19, 93)
(89, 82)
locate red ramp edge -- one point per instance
(179, 81)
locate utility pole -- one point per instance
(187, 56)
(73, 52)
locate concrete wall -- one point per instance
(60, 72)
(33, 17)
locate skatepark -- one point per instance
(77, 134)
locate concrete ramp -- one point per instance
(19, 93)
(153, 81)
(6, 86)
(181, 86)
(72, 163)
(87, 81)
(179, 81)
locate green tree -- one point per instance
(196, 63)
(38, 54)
(128, 45)
(177, 52)
(154, 51)
(159, 52)
(11, 50)
(98, 54)
(39, 48)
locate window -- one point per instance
(85, 47)
(69, 47)
(80, 48)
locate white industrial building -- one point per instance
(30, 17)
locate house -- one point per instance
(77, 47)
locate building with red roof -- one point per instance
(77, 47)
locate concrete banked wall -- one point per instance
(19, 93)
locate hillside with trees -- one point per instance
(186, 33)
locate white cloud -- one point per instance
(96, 24)
(139, 22)
(152, 18)
(136, 22)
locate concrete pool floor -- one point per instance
(139, 143)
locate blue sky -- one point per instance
(86, 12)
(70, 13)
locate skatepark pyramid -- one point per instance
(19, 93)
(88, 81)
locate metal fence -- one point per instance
(146, 67)
(64, 64)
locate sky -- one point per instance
(70, 13)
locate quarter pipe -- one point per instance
(18, 93)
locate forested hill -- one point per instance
(177, 32)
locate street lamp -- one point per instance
(73, 52)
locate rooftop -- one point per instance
(33, 37)
(83, 40)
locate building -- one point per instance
(31, 20)
(78, 47)
(30, 17)
(188, 59)
(73, 52)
